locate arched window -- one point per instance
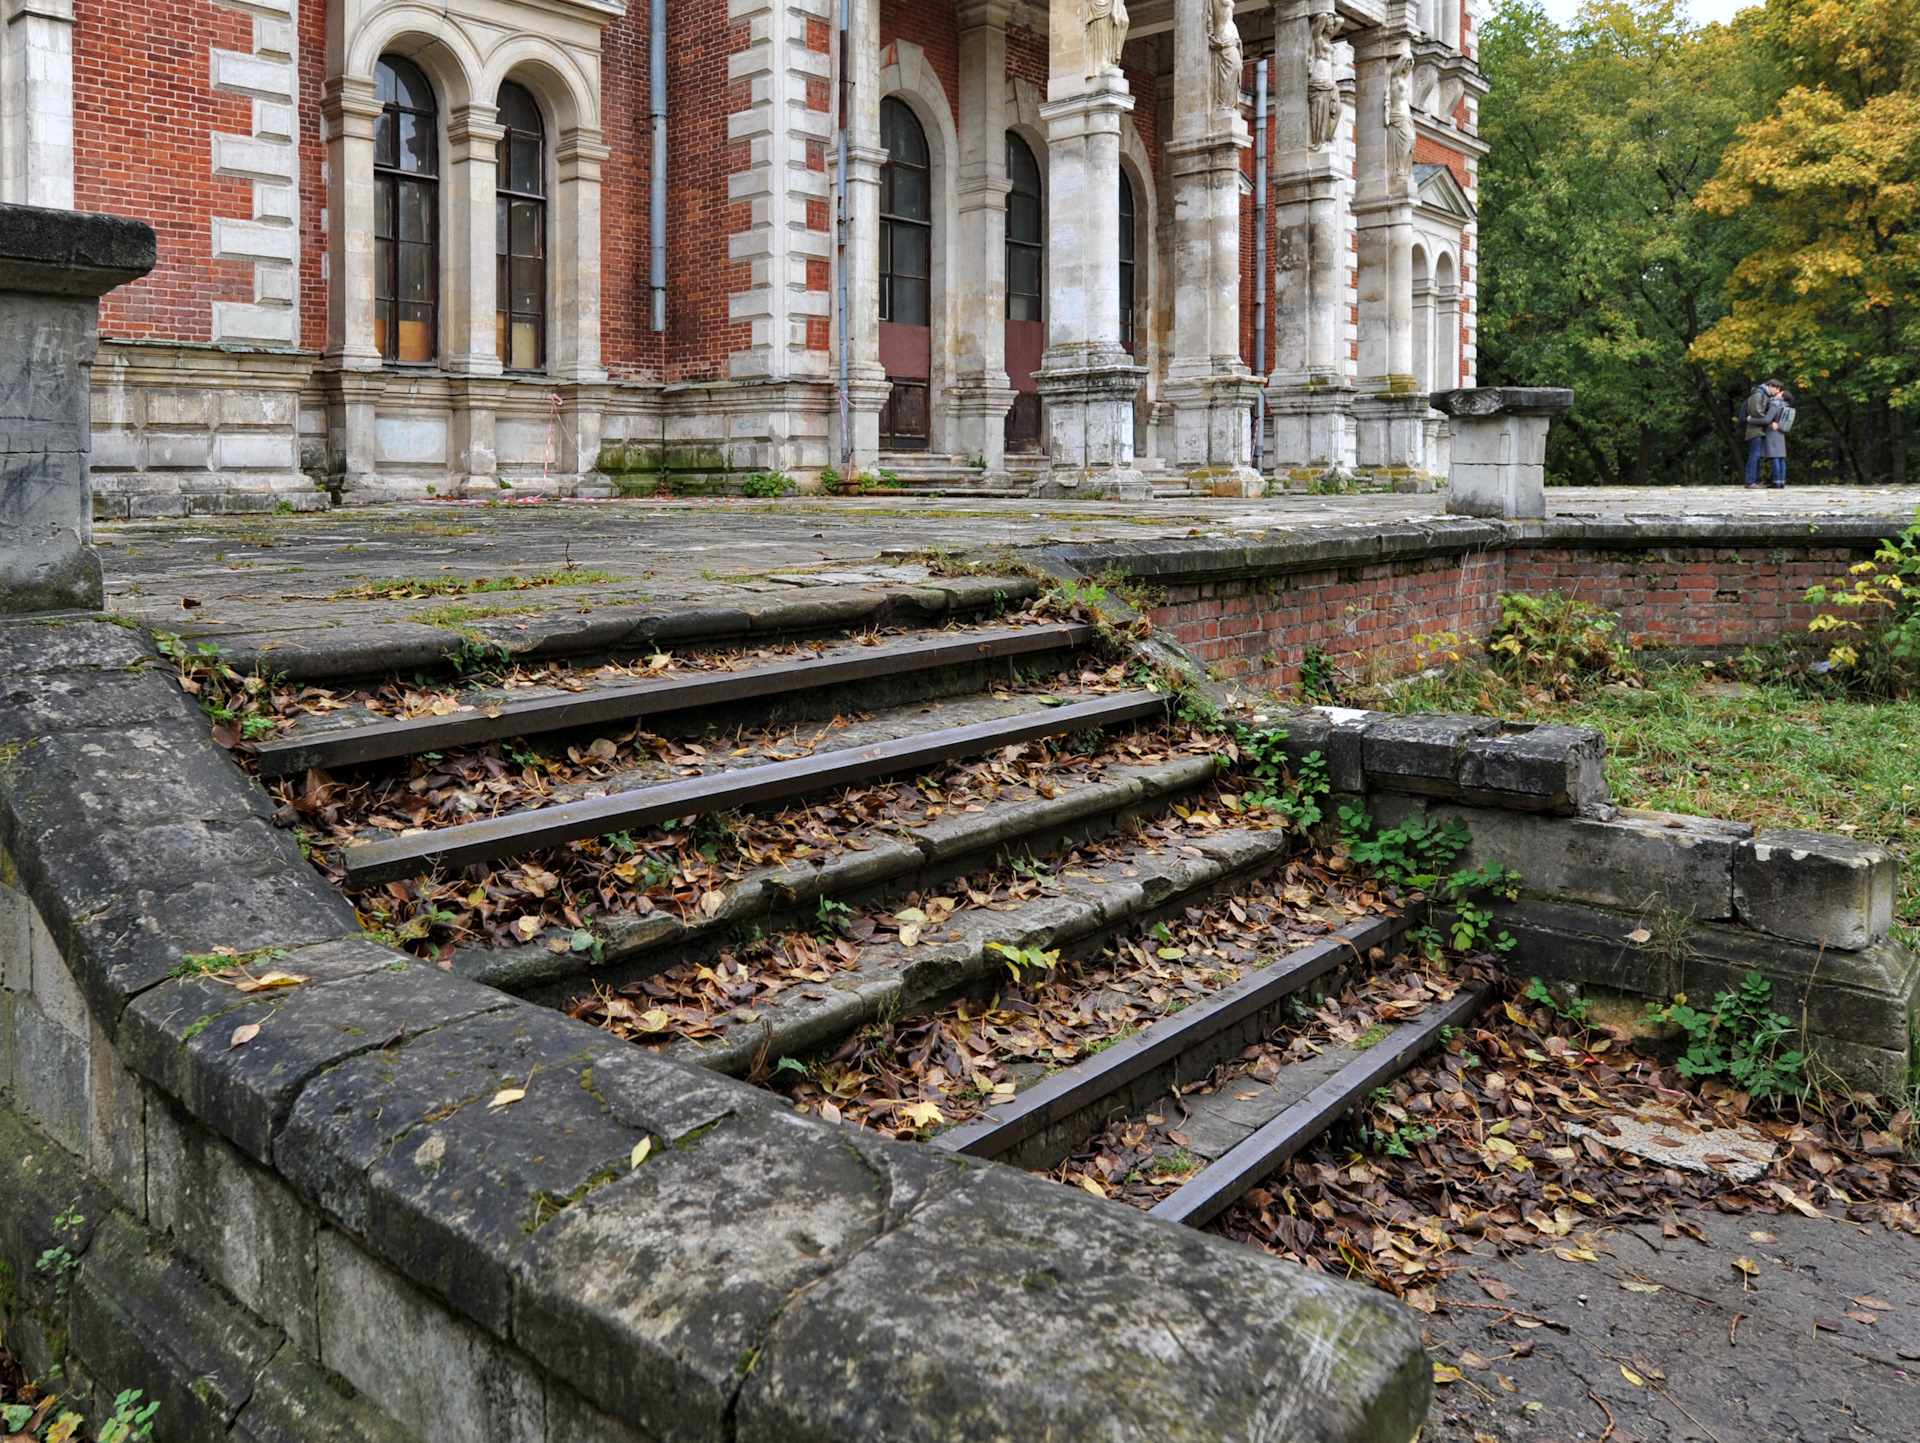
(520, 234)
(406, 215)
(1126, 262)
(906, 218)
(906, 270)
(1023, 232)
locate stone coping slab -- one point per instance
(71, 253)
(751, 1274)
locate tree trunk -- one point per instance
(1643, 462)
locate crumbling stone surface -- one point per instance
(1811, 887)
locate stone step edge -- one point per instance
(354, 651)
(1072, 923)
(1164, 1043)
(946, 848)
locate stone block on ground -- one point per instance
(1421, 752)
(1810, 887)
(1537, 768)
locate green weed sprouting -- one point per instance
(1740, 1039)
(1878, 618)
(1414, 855)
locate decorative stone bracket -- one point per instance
(1500, 448)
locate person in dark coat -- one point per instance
(1761, 416)
(1775, 439)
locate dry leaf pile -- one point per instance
(907, 1077)
(1141, 1160)
(1474, 1142)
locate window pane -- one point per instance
(383, 269)
(415, 282)
(385, 151)
(416, 211)
(526, 286)
(525, 236)
(517, 109)
(500, 227)
(383, 327)
(1023, 308)
(1023, 272)
(416, 143)
(526, 165)
(1021, 167)
(910, 193)
(416, 333)
(909, 301)
(910, 247)
(382, 207)
(500, 336)
(526, 346)
(900, 133)
(1023, 218)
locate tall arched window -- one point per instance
(1126, 262)
(406, 215)
(520, 234)
(906, 269)
(1026, 336)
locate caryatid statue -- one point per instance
(1323, 95)
(1106, 36)
(1400, 117)
(1223, 36)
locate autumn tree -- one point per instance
(1600, 271)
(1828, 183)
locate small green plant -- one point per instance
(766, 485)
(835, 918)
(1556, 641)
(283, 507)
(1415, 855)
(1876, 619)
(1740, 1039)
(1029, 869)
(1084, 593)
(1575, 1010)
(1319, 676)
(1021, 960)
(58, 1261)
(1273, 786)
(473, 655)
(130, 1423)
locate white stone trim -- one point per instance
(266, 158)
(36, 103)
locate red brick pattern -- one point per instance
(1027, 56)
(144, 112)
(931, 25)
(1391, 617)
(311, 68)
(1431, 152)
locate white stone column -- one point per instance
(351, 362)
(573, 267)
(36, 107)
(1389, 411)
(867, 385)
(1086, 377)
(981, 393)
(469, 301)
(1208, 384)
(1308, 394)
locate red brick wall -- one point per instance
(1431, 152)
(1392, 617)
(931, 25)
(629, 347)
(143, 112)
(312, 78)
(1027, 56)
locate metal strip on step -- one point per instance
(1085, 1084)
(383, 740)
(484, 841)
(1222, 1182)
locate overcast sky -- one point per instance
(1703, 11)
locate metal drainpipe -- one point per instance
(657, 213)
(843, 228)
(1260, 262)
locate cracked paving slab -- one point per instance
(1801, 1364)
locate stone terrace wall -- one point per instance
(1379, 599)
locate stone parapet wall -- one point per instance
(321, 1212)
(1387, 599)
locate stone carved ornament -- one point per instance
(1106, 36)
(1323, 94)
(1223, 39)
(1400, 118)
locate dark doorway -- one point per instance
(1026, 320)
(1126, 263)
(906, 270)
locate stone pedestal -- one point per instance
(1090, 423)
(1499, 449)
(54, 267)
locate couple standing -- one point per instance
(1768, 417)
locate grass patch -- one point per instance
(457, 614)
(1780, 753)
(409, 588)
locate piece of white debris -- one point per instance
(1674, 1142)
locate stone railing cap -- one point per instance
(1502, 400)
(71, 253)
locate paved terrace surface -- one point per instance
(264, 573)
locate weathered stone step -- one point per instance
(1091, 906)
(411, 854)
(335, 743)
(1043, 1124)
(1301, 1113)
(877, 863)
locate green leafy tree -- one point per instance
(1600, 272)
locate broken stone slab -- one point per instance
(1814, 888)
(1544, 768)
(1497, 466)
(1421, 751)
(921, 1336)
(1733, 1152)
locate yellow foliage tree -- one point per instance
(1831, 180)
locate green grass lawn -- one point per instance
(1776, 755)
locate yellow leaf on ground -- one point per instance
(270, 980)
(641, 1149)
(1793, 1200)
(1632, 1377)
(654, 1019)
(506, 1096)
(1093, 1187)
(243, 1035)
(909, 934)
(1445, 1373)
(923, 1114)
(710, 903)
(1747, 1266)
(1633, 1287)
